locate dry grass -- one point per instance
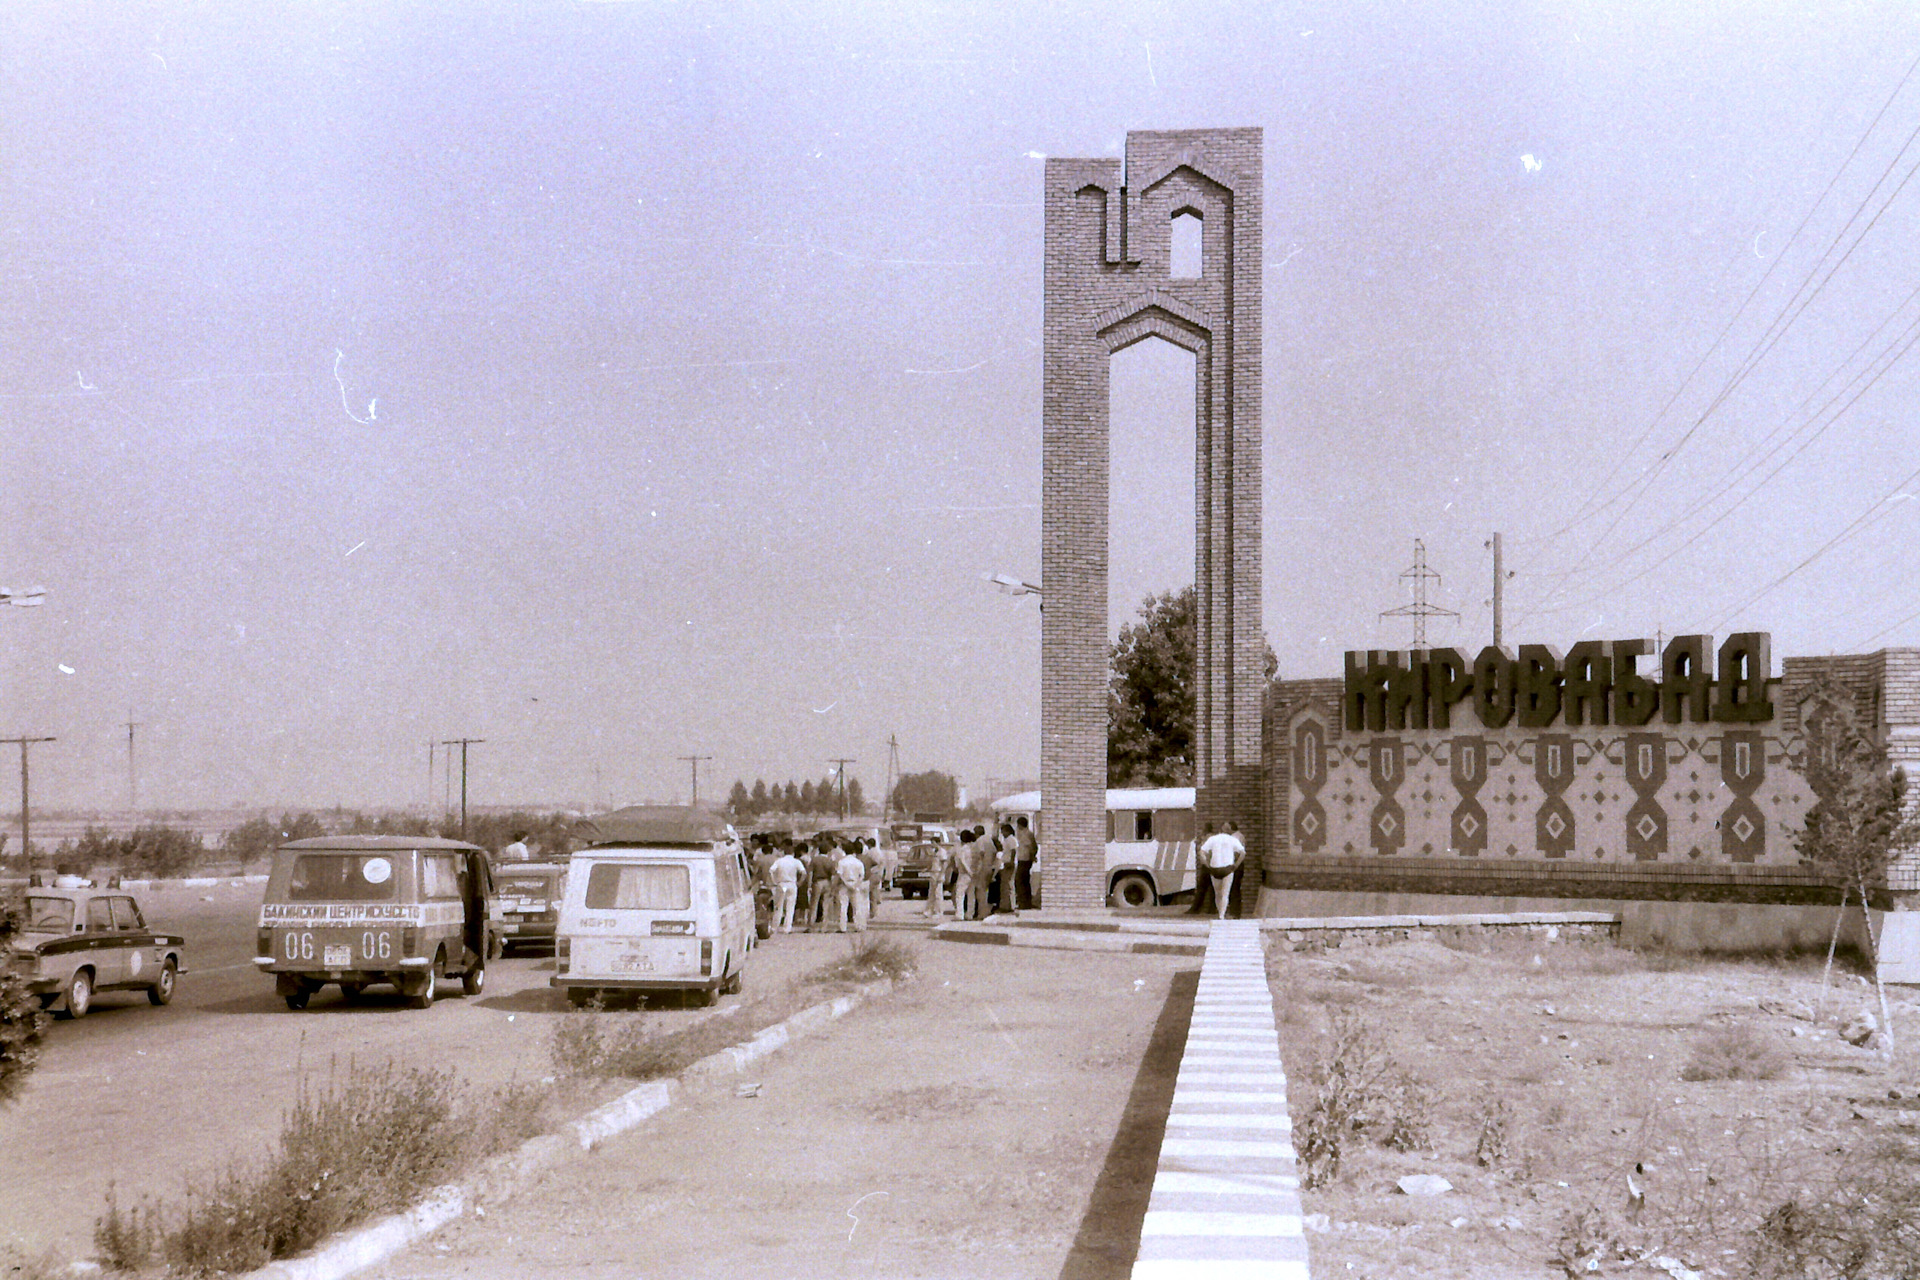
(369, 1144)
(1762, 1145)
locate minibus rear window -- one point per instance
(614, 886)
(342, 877)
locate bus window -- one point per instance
(1172, 825)
(1143, 826)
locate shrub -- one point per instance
(23, 1024)
(1734, 1053)
(365, 1147)
(1357, 1088)
(1492, 1124)
(868, 959)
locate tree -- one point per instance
(1151, 704)
(1859, 815)
(1150, 699)
(807, 797)
(739, 800)
(856, 797)
(929, 792)
(22, 1022)
(758, 802)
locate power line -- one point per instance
(1595, 503)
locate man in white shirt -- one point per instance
(784, 875)
(850, 890)
(1221, 854)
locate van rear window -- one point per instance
(342, 877)
(613, 886)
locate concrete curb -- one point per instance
(498, 1178)
(1157, 936)
(1057, 939)
(192, 882)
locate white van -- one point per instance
(658, 898)
(1150, 841)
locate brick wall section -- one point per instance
(1884, 685)
(1107, 285)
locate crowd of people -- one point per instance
(829, 883)
(990, 870)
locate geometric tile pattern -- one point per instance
(1226, 1193)
(1657, 794)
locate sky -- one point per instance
(618, 382)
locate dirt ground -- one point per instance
(1564, 1065)
(1000, 1116)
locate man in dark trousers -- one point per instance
(1025, 849)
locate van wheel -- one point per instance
(1132, 892)
(421, 996)
(579, 997)
(298, 997)
(353, 992)
(731, 987)
(474, 980)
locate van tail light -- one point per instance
(706, 956)
(562, 954)
(263, 943)
(409, 940)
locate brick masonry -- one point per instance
(1649, 813)
(1108, 284)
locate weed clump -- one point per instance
(364, 1147)
(1734, 1053)
(869, 959)
(1358, 1088)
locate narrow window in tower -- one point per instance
(1186, 260)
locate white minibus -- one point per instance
(1150, 840)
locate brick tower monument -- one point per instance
(1109, 284)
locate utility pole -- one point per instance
(841, 770)
(1420, 610)
(695, 762)
(1500, 576)
(26, 820)
(430, 754)
(133, 776)
(893, 776)
(463, 744)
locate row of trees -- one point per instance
(823, 797)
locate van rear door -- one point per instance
(641, 919)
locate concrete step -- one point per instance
(1012, 934)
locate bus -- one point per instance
(1150, 841)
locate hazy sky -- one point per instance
(616, 382)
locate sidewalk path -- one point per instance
(1226, 1200)
(998, 1117)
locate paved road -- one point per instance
(145, 1098)
(998, 1118)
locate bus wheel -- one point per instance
(1132, 892)
(474, 980)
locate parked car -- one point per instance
(528, 895)
(659, 898)
(915, 842)
(358, 910)
(80, 939)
